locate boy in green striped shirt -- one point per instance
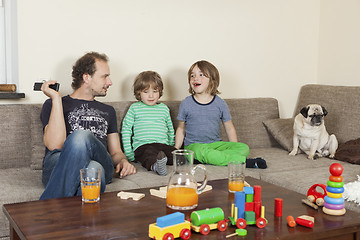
(147, 130)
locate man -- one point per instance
(79, 131)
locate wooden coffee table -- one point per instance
(114, 218)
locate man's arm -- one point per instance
(55, 131)
(180, 135)
(230, 131)
(120, 161)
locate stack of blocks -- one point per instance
(334, 202)
(248, 204)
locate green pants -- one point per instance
(219, 153)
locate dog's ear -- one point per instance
(324, 111)
(304, 111)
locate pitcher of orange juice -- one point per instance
(183, 190)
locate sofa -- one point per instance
(257, 123)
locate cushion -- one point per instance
(282, 130)
(349, 151)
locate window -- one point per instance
(8, 42)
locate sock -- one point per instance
(251, 163)
(256, 163)
(261, 163)
(160, 164)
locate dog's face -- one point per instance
(314, 114)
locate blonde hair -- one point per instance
(146, 79)
(211, 72)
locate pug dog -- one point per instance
(310, 134)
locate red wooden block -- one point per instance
(249, 206)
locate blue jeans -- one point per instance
(61, 168)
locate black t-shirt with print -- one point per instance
(94, 116)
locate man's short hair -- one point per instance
(85, 65)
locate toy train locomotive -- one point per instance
(174, 225)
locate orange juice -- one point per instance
(90, 192)
(235, 186)
(182, 198)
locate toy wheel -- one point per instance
(221, 225)
(204, 229)
(320, 202)
(311, 198)
(241, 223)
(168, 236)
(185, 233)
(261, 222)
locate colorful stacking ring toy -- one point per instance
(334, 195)
(335, 190)
(334, 206)
(336, 178)
(334, 200)
(335, 184)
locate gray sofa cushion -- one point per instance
(341, 102)
(15, 139)
(248, 116)
(282, 130)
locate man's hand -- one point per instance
(51, 93)
(125, 168)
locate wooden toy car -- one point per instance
(170, 226)
(315, 196)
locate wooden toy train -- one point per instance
(246, 210)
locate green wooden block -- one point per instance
(249, 197)
(250, 217)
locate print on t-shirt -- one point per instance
(86, 118)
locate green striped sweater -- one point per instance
(145, 124)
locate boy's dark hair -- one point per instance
(211, 72)
(85, 65)
(146, 79)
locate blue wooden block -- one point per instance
(249, 194)
(171, 219)
(240, 203)
(249, 190)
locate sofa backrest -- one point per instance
(342, 104)
(15, 135)
(21, 129)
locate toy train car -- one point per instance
(208, 219)
(170, 226)
(247, 209)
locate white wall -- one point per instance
(339, 45)
(262, 48)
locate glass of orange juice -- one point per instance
(90, 184)
(236, 176)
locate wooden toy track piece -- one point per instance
(127, 195)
